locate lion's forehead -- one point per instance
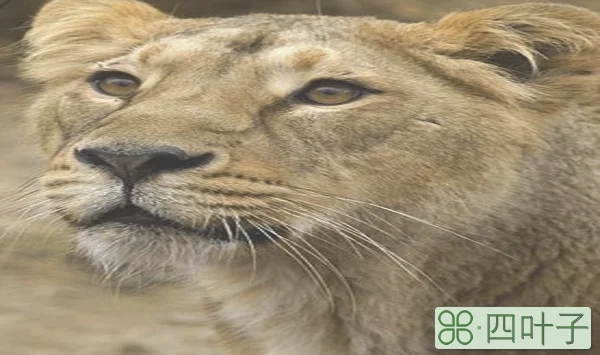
(279, 38)
(288, 56)
(231, 44)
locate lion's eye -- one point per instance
(115, 84)
(330, 93)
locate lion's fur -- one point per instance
(477, 164)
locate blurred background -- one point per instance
(49, 303)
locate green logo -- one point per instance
(513, 328)
(455, 327)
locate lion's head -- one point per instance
(174, 141)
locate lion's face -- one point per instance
(173, 141)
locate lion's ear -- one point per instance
(70, 32)
(523, 40)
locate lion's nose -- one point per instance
(131, 166)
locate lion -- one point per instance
(322, 184)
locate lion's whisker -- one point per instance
(405, 215)
(251, 245)
(402, 262)
(319, 256)
(324, 222)
(301, 260)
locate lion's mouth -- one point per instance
(225, 229)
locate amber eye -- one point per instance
(115, 84)
(330, 93)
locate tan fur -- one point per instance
(470, 178)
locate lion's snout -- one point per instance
(135, 164)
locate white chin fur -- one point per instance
(123, 252)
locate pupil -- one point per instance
(329, 91)
(120, 82)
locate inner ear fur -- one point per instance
(67, 33)
(522, 40)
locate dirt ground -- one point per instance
(49, 304)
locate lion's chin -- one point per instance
(137, 247)
(139, 255)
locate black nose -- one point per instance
(131, 166)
